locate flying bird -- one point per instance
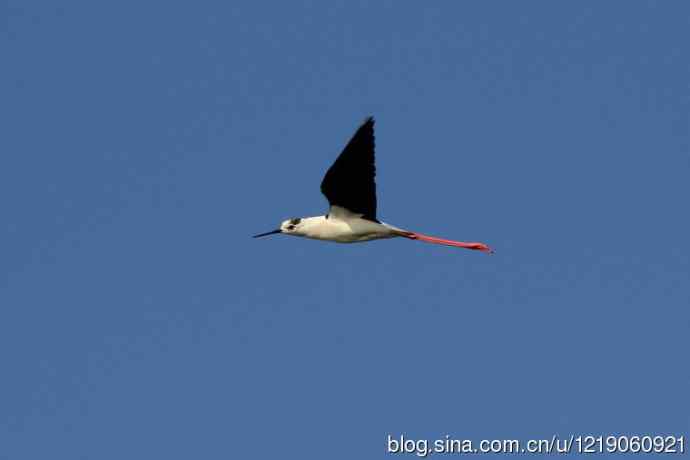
(350, 189)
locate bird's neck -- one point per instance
(314, 220)
(318, 227)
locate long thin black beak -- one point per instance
(268, 233)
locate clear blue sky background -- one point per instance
(144, 142)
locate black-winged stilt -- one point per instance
(351, 191)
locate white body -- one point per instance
(340, 226)
(343, 231)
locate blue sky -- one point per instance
(144, 142)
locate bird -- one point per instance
(350, 188)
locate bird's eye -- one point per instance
(290, 227)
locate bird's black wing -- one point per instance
(349, 182)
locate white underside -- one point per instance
(342, 226)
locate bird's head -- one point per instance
(290, 226)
